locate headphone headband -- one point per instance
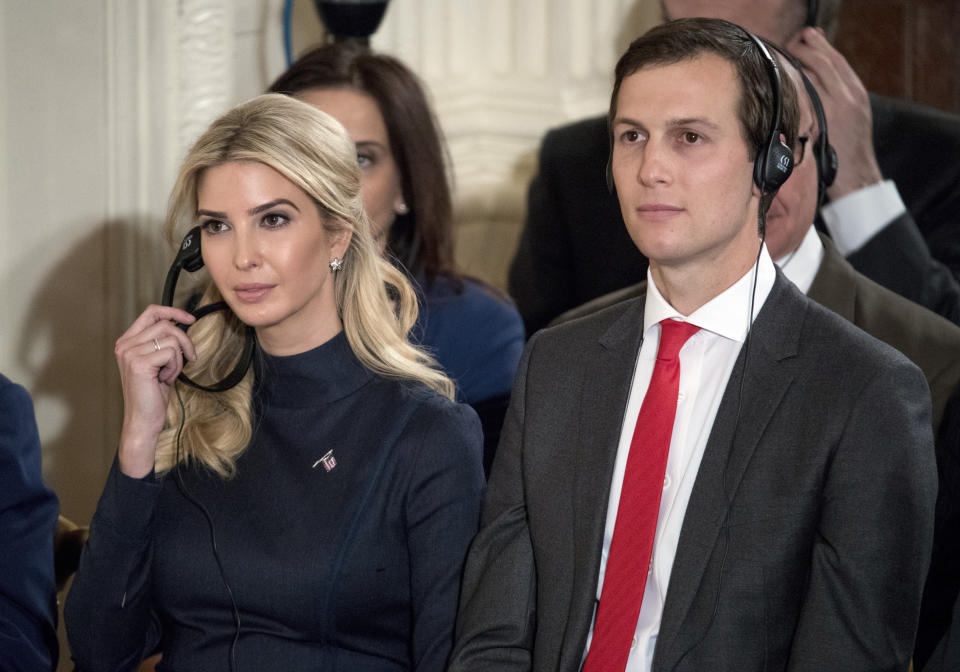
(774, 161)
(813, 11)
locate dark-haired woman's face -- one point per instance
(360, 116)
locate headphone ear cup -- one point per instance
(773, 165)
(828, 165)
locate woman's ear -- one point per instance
(339, 242)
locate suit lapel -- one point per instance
(774, 338)
(602, 403)
(833, 285)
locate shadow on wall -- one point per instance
(66, 344)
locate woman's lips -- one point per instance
(252, 293)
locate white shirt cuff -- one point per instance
(859, 216)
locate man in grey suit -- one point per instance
(931, 342)
(793, 525)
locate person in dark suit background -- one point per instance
(943, 583)
(573, 247)
(315, 515)
(798, 489)
(28, 519)
(812, 263)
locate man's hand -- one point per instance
(847, 108)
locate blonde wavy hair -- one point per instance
(375, 301)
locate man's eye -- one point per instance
(631, 136)
(690, 137)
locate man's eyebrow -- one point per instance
(625, 120)
(692, 121)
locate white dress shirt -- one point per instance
(801, 265)
(706, 362)
(857, 217)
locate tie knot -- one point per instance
(673, 335)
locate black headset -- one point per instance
(813, 10)
(824, 154)
(774, 161)
(189, 258)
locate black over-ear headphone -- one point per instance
(774, 161)
(824, 154)
(813, 9)
(190, 258)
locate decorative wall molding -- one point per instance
(206, 57)
(501, 72)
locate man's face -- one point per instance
(776, 20)
(795, 205)
(683, 172)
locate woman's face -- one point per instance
(265, 245)
(380, 176)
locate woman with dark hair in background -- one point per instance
(474, 332)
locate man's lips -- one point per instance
(252, 292)
(658, 211)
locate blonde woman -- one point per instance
(315, 516)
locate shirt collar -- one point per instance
(724, 314)
(801, 265)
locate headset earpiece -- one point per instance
(774, 161)
(189, 257)
(823, 152)
(773, 165)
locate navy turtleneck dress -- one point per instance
(342, 535)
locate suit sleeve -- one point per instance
(110, 625)
(497, 615)
(442, 511)
(541, 281)
(28, 518)
(872, 549)
(898, 258)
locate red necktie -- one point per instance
(636, 526)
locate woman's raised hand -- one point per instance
(150, 355)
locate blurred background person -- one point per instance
(474, 332)
(320, 510)
(28, 518)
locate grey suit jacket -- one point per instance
(806, 537)
(927, 339)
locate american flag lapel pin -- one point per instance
(328, 461)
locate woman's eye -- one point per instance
(213, 226)
(274, 220)
(364, 161)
